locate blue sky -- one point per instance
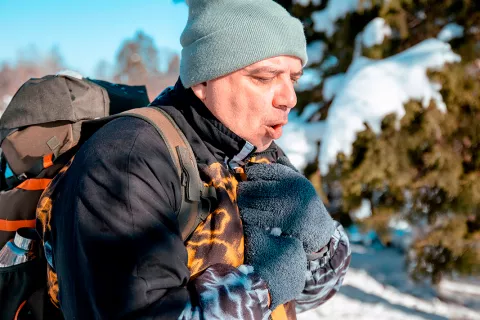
(87, 31)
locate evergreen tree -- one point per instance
(424, 167)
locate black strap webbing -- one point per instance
(196, 201)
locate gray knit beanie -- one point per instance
(222, 36)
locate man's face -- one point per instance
(254, 102)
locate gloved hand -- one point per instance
(275, 195)
(278, 260)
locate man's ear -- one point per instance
(200, 90)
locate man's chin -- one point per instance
(264, 144)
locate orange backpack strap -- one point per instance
(191, 212)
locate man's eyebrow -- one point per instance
(297, 74)
(272, 71)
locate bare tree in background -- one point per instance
(137, 60)
(30, 64)
(138, 63)
(174, 66)
(102, 70)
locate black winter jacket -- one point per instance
(116, 245)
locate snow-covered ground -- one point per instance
(377, 287)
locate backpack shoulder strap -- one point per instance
(190, 214)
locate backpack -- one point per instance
(46, 122)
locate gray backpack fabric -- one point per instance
(45, 123)
(45, 116)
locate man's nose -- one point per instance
(285, 96)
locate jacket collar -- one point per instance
(220, 140)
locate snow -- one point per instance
(465, 291)
(307, 2)
(315, 52)
(309, 110)
(332, 85)
(299, 136)
(450, 32)
(371, 89)
(421, 15)
(5, 101)
(474, 30)
(460, 287)
(399, 224)
(310, 79)
(312, 76)
(364, 211)
(70, 73)
(375, 32)
(324, 20)
(377, 287)
(330, 62)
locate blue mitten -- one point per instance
(278, 260)
(277, 196)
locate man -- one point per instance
(116, 243)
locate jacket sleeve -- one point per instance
(326, 270)
(117, 248)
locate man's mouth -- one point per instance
(277, 126)
(275, 131)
